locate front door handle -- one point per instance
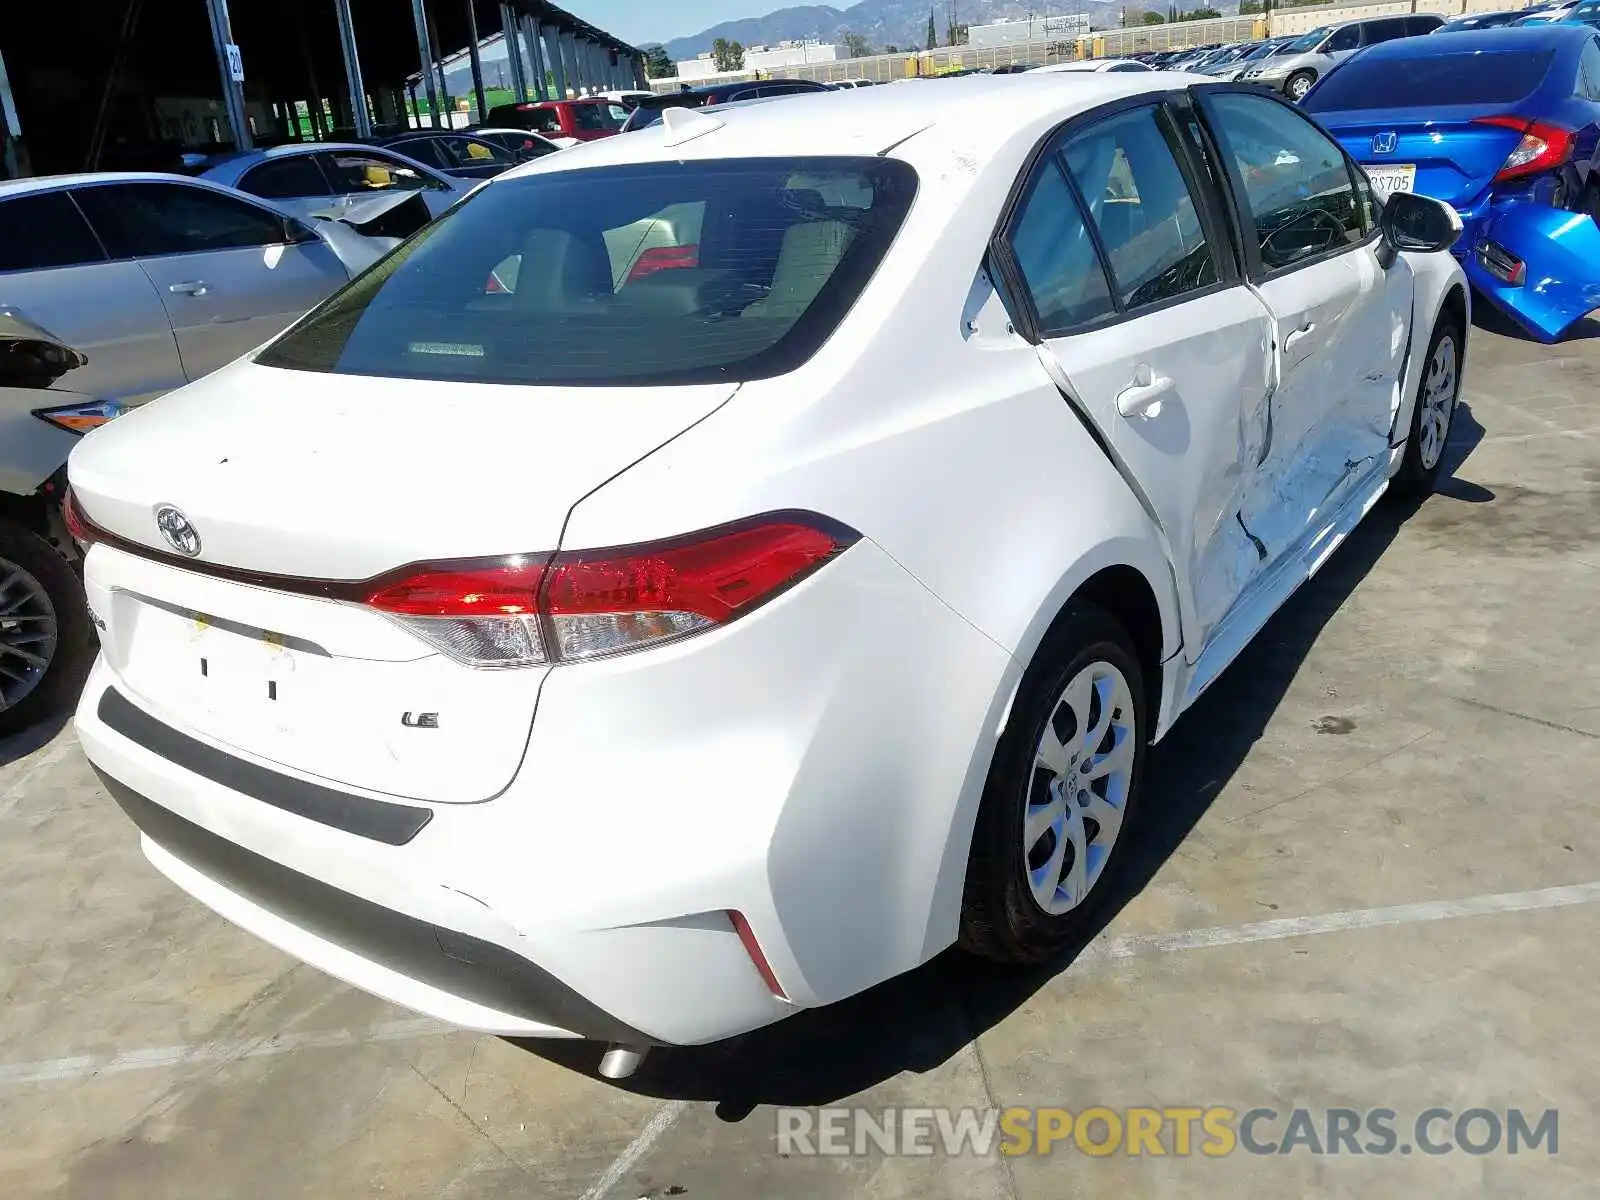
(1299, 335)
(190, 287)
(1142, 397)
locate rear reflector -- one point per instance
(1501, 263)
(757, 956)
(1542, 147)
(79, 528)
(532, 609)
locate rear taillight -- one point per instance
(574, 606)
(665, 258)
(1542, 146)
(77, 526)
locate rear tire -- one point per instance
(1433, 414)
(1065, 775)
(1298, 84)
(46, 641)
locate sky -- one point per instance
(639, 21)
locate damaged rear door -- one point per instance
(1148, 328)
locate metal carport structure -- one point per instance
(86, 84)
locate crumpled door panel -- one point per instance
(1561, 253)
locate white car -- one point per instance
(1095, 65)
(318, 179)
(782, 577)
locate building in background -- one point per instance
(1061, 28)
(767, 60)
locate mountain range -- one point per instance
(902, 23)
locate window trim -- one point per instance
(1255, 271)
(1012, 284)
(316, 163)
(105, 254)
(240, 198)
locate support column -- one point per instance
(360, 116)
(13, 156)
(508, 28)
(477, 62)
(430, 88)
(445, 107)
(569, 58)
(530, 39)
(558, 62)
(232, 89)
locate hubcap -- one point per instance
(1300, 87)
(1438, 402)
(27, 633)
(1078, 792)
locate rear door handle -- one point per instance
(1299, 335)
(1142, 398)
(190, 287)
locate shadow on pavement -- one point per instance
(35, 737)
(918, 1021)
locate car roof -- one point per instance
(969, 120)
(231, 166)
(1552, 35)
(49, 183)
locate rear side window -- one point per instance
(1386, 30)
(1484, 77)
(46, 230)
(1056, 255)
(286, 178)
(147, 220)
(358, 173)
(1142, 208)
(696, 272)
(591, 117)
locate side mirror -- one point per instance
(297, 232)
(32, 357)
(1412, 222)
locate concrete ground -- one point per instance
(1406, 759)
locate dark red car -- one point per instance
(582, 120)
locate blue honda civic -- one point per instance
(1503, 125)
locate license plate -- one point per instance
(1391, 177)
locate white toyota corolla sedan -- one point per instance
(711, 571)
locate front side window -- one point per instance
(1348, 38)
(1142, 208)
(695, 272)
(146, 220)
(357, 173)
(45, 230)
(1056, 255)
(593, 117)
(1589, 72)
(286, 178)
(1299, 192)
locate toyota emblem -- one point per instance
(176, 531)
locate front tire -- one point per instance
(46, 645)
(1061, 800)
(1433, 414)
(1299, 84)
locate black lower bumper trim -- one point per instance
(453, 962)
(380, 820)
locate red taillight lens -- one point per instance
(77, 525)
(590, 604)
(1542, 146)
(665, 258)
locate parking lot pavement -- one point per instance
(1373, 882)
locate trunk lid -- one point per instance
(333, 477)
(1456, 157)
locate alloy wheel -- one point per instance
(28, 633)
(1299, 86)
(1438, 402)
(1078, 792)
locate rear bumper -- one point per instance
(815, 767)
(1560, 253)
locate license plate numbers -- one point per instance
(1391, 177)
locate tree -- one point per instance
(657, 65)
(1154, 18)
(1247, 7)
(891, 48)
(728, 56)
(1200, 14)
(856, 46)
(933, 31)
(956, 35)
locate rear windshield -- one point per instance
(1477, 77)
(593, 116)
(691, 272)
